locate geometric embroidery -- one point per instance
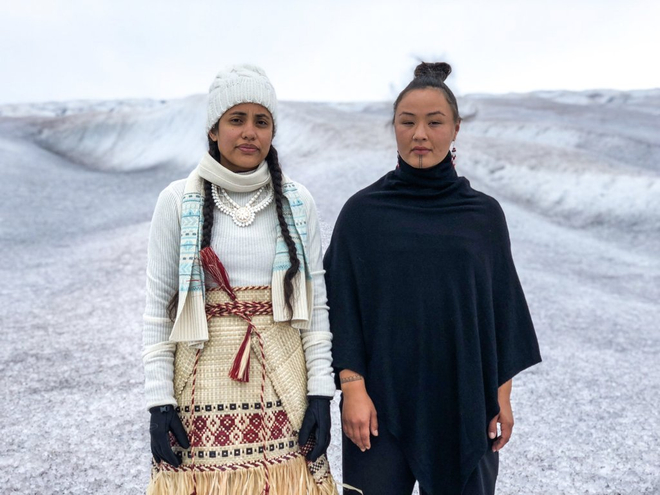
(220, 429)
(233, 431)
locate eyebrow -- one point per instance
(244, 114)
(428, 114)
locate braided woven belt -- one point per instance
(240, 308)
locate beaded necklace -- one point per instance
(242, 216)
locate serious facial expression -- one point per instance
(244, 135)
(424, 126)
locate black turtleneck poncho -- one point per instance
(426, 304)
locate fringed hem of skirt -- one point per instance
(291, 477)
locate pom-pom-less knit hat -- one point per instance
(237, 84)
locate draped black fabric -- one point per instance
(426, 304)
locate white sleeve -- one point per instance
(317, 341)
(162, 283)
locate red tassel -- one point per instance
(240, 370)
(216, 269)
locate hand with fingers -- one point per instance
(504, 418)
(316, 423)
(163, 420)
(358, 416)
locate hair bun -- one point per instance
(437, 70)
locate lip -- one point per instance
(419, 150)
(248, 148)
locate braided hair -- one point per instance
(276, 176)
(431, 75)
(208, 212)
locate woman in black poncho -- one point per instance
(429, 320)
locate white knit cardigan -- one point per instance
(247, 253)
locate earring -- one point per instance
(453, 153)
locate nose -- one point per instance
(249, 131)
(420, 133)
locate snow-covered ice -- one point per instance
(578, 175)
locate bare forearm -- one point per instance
(504, 392)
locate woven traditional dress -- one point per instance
(242, 437)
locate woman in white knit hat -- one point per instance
(237, 347)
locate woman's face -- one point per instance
(244, 134)
(424, 127)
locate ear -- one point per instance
(456, 129)
(213, 134)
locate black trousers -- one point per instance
(383, 469)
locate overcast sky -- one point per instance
(322, 50)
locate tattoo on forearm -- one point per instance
(352, 378)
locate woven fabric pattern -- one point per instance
(227, 415)
(285, 366)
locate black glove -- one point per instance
(316, 425)
(163, 420)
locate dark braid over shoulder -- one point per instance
(207, 210)
(276, 176)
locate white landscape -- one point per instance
(578, 176)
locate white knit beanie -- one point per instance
(237, 84)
